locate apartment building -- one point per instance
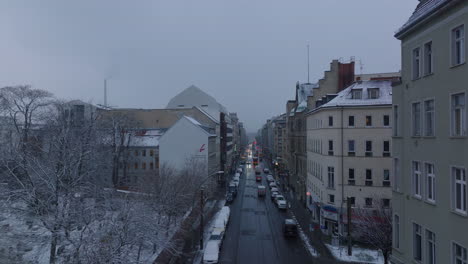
(348, 152)
(430, 143)
(307, 97)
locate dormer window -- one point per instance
(373, 93)
(181, 106)
(204, 105)
(356, 93)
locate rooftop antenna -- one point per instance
(361, 66)
(105, 92)
(308, 64)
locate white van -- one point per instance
(211, 254)
(222, 218)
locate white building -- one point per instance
(186, 140)
(348, 152)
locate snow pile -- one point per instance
(360, 255)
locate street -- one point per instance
(254, 234)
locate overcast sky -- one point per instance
(248, 54)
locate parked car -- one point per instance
(273, 195)
(273, 184)
(270, 178)
(239, 170)
(261, 191)
(274, 189)
(211, 253)
(217, 235)
(229, 197)
(236, 182)
(290, 228)
(233, 188)
(237, 175)
(222, 218)
(279, 197)
(281, 204)
(266, 170)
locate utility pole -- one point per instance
(308, 64)
(348, 205)
(201, 217)
(105, 92)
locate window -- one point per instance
(416, 119)
(143, 153)
(416, 63)
(136, 165)
(151, 152)
(143, 165)
(368, 148)
(385, 203)
(417, 242)
(351, 179)
(396, 175)
(430, 182)
(458, 45)
(386, 120)
(428, 58)
(368, 120)
(459, 190)
(429, 118)
(386, 177)
(417, 179)
(368, 177)
(330, 147)
(368, 202)
(351, 150)
(331, 198)
(395, 120)
(373, 93)
(352, 201)
(458, 115)
(356, 94)
(430, 247)
(459, 254)
(386, 148)
(351, 121)
(330, 121)
(136, 152)
(396, 231)
(331, 177)
(151, 166)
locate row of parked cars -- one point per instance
(233, 186)
(215, 242)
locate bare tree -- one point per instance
(25, 107)
(117, 126)
(374, 226)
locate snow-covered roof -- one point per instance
(144, 138)
(209, 130)
(424, 9)
(344, 98)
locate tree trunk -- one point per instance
(386, 255)
(53, 245)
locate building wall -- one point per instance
(442, 150)
(182, 142)
(319, 160)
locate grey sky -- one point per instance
(247, 54)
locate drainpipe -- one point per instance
(342, 170)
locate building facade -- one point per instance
(430, 144)
(348, 153)
(309, 96)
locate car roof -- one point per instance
(290, 221)
(217, 231)
(261, 187)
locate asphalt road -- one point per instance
(254, 234)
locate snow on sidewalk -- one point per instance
(305, 239)
(359, 255)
